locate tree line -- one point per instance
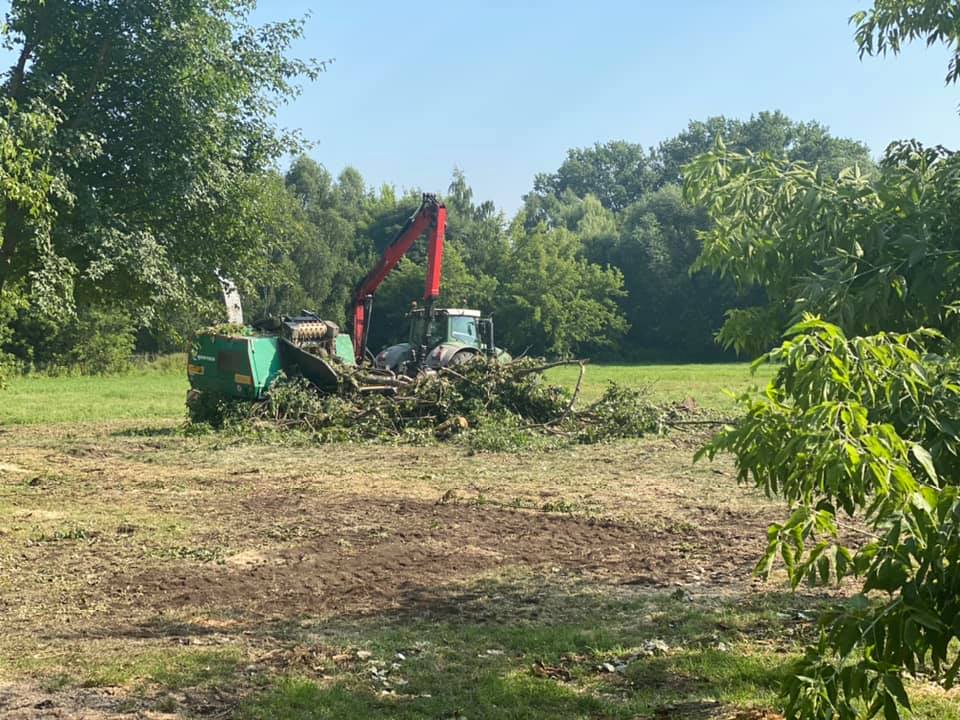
(139, 159)
(598, 261)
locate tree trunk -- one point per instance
(14, 230)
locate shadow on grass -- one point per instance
(148, 431)
(693, 683)
(517, 648)
(490, 696)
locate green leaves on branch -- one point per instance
(26, 176)
(32, 184)
(890, 24)
(864, 426)
(854, 425)
(866, 252)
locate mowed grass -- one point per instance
(157, 395)
(43, 400)
(708, 385)
(87, 509)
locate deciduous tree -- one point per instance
(157, 133)
(856, 422)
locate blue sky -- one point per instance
(502, 89)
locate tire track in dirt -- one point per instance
(365, 554)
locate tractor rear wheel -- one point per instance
(464, 356)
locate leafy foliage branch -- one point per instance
(863, 417)
(866, 426)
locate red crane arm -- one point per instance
(432, 216)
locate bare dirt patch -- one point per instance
(115, 525)
(367, 554)
(123, 554)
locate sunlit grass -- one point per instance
(159, 395)
(42, 400)
(708, 385)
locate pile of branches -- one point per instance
(494, 406)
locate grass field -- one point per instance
(42, 400)
(160, 395)
(149, 573)
(709, 385)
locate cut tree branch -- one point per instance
(543, 368)
(576, 393)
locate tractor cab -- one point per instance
(446, 325)
(443, 337)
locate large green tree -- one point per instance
(159, 138)
(553, 300)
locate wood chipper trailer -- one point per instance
(242, 362)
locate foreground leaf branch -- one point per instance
(866, 429)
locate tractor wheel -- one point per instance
(464, 356)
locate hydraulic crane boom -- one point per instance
(432, 217)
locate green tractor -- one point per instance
(243, 361)
(441, 338)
